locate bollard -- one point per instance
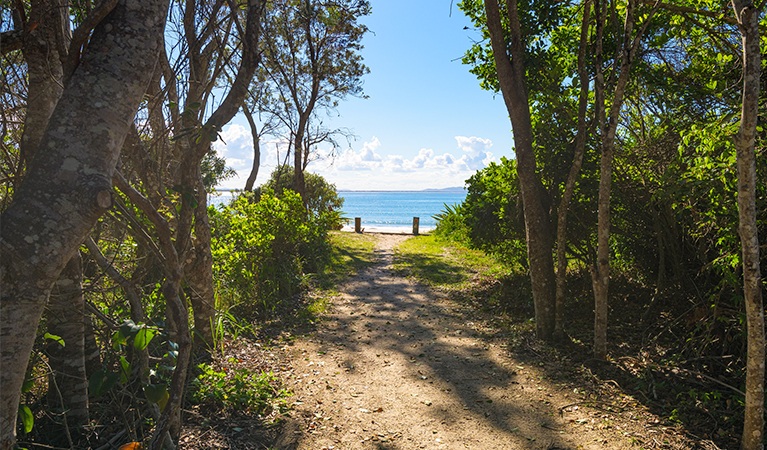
(358, 224)
(415, 225)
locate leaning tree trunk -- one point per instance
(43, 50)
(753, 425)
(538, 229)
(67, 187)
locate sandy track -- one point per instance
(397, 366)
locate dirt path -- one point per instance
(396, 366)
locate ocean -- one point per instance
(394, 211)
(387, 211)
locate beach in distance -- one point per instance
(387, 211)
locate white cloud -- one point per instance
(235, 142)
(476, 156)
(370, 167)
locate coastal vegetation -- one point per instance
(625, 232)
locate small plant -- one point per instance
(240, 389)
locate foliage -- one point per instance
(214, 170)
(492, 212)
(450, 224)
(239, 389)
(320, 197)
(263, 248)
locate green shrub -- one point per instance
(492, 212)
(262, 249)
(321, 197)
(237, 389)
(451, 225)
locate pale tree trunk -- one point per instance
(538, 229)
(44, 51)
(198, 270)
(299, 184)
(68, 388)
(572, 176)
(256, 149)
(67, 187)
(753, 426)
(198, 262)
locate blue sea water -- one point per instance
(394, 211)
(387, 211)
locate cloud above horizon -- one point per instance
(370, 167)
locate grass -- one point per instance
(350, 253)
(443, 264)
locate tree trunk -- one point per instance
(538, 229)
(580, 144)
(299, 185)
(608, 125)
(256, 150)
(753, 425)
(44, 70)
(198, 272)
(66, 319)
(67, 187)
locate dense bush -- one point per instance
(262, 249)
(321, 197)
(491, 213)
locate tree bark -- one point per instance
(753, 425)
(538, 229)
(575, 168)
(66, 319)
(256, 149)
(44, 70)
(67, 187)
(608, 125)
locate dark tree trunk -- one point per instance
(538, 228)
(572, 176)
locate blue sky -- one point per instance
(426, 123)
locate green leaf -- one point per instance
(143, 338)
(96, 381)
(101, 382)
(157, 393)
(25, 414)
(27, 386)
(118, 339)
(129, 328)
(195, 105)
(190, 199)
(125, 370)
(55, 338)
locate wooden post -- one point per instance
(358, 224)
(415, 225)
